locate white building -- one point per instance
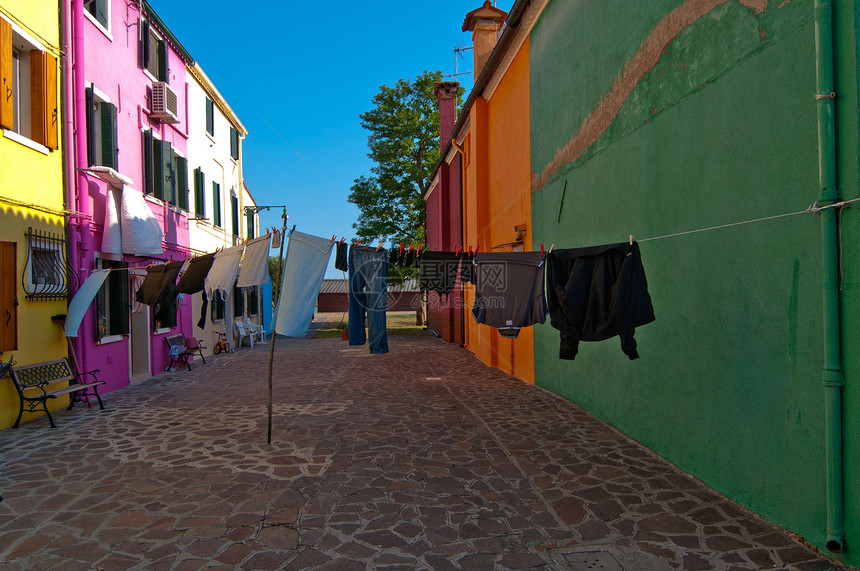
(218, 198)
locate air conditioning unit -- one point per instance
(163, 103)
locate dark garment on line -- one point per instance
(394, 257)
(194, 276)
(202, 322)
(190, 282)
(158, 279)
(438, 272)
(596, 293)
(408, 259)
(340, 262)
(509, 291)
(467, 267)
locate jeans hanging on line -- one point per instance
(368, 274)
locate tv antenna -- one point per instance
(458, 55)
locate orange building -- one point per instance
(492, 137)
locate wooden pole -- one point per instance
(277, 290)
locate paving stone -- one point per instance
(370, 465)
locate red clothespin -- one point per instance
(541, 250)
(380, 246)
(410, 248)
(418, 251)
(401, 247)
(476, 250)
(459, 249)
(357, 242)
(332, 239)
(342, 240)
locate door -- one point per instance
(8, 298)
(140, 332)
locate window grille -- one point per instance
(47, 274)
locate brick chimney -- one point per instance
(446, 94)
(484, 23)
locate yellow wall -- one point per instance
(497, 197)
(29, 176)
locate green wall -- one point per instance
(722, 129)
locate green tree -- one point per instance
(404, 145)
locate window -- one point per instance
(8, 298)
(112, 306)
(238, 303)
(210, 117)
(98, 9)
(234, 143)
(249, 223)
(253, 300)
(216, 204)
(28, 75)
(44, 276)
(153, 52)
(217, 306)
(102, 146)
(165, 172)
(199, 193)
(234, 207)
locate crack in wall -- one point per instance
(636, 68)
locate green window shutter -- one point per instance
(118, 313)
(109, 136)
(210, 116)
(249, 223)
(168, 173)
(238, 303)
(89, 101)
(144, 43)
(182, 182)
(162, 61)
(158, 173)
(199, 198)
(148, 187)
(216, 204)
(234, 207)
(253, 300)
(234, 143)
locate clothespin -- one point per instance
(476, 250)
(357, 242)
(631, 239)
(410, 248)
(401, 247)
(551, 246)
(332, 239)
(459, 249)
(343, 239)
(380, 246)
(541, 250)
(418, 251)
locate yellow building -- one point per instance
(33, 277)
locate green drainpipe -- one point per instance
(833, 379)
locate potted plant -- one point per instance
(344, 330)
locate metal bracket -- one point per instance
(820, 96)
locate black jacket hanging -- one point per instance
(596, 293)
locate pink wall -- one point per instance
(111, 65)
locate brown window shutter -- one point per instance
(6, 79)
(52, 102)
(8, 295)
(38, 122)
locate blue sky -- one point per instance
(298, 74)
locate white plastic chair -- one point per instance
(255, 330)
(243, 332)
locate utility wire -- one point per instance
(814, 209)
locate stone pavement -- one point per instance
(423, 458)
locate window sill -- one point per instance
(110, 339)
(211, 137)
(152, 199)
(161, 331)
(29, 143)
(98, 25)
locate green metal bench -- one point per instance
(32, 383)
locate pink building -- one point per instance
(127, 101)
